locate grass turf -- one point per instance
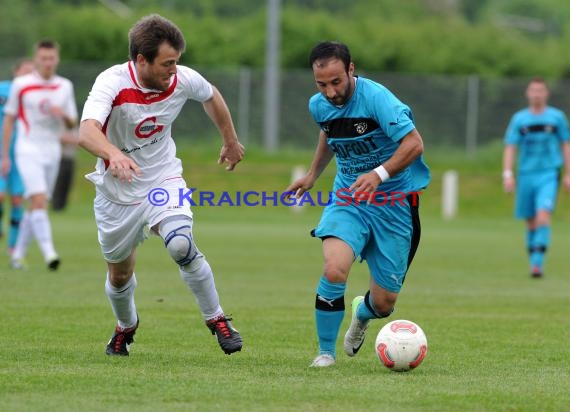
(498, 340)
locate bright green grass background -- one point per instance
(498, 340)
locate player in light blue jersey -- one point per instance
(374, 210)
(540, 135)
(12, 183)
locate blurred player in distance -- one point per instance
(11, 184)
(44, 104)
(353, 111)
(127, 123)
(538, 138)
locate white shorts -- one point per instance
(121, 228)
(38, 174)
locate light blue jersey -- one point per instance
(4, 93)
(538, 138)
(12, 182)
(365, 132)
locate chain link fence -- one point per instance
(450, 111)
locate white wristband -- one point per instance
(382, 173)
(507, 174)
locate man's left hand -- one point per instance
(367, 182)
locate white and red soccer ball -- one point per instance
(401, 345)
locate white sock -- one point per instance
(123, 302)
(41, 228)
(25, 236)
(200, 279)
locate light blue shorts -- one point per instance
(536, 191)
(385, 236)
(12, 182)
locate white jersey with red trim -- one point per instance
(31, 99)
(139, 121)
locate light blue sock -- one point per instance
(540, 245)
(15, 219)
(329, 312)
(542, 236)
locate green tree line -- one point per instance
(418, 36)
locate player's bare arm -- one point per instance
(566, 155)
(232, 150)
(7, 130)
(322, 158)
(69, 138)
(508, 162)
(92, 139)
(411, 147)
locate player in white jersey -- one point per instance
(44, 105)
(126, 123)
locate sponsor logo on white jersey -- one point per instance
(148, 127)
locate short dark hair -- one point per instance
(538, 79)
(146, 36)
(47, 44)
(330, 50)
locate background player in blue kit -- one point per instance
(12, 183)
(377, 147)
(540, 133)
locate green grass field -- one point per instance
(498, 340)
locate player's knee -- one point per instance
(119, 277)
(180, 247)
(334, 273)
(179, 243)
(385, 306)
(38, 201)
(542, 219)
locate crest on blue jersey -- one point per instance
(361, 127)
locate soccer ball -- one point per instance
(401, 345)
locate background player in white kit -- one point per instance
(44, 104)
(127, 123)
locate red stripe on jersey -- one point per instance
(137, 96)
(132, 73)
(172, 178)
(30, 88)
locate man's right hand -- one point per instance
(301, 185)
(509, 184)
(122, 167)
